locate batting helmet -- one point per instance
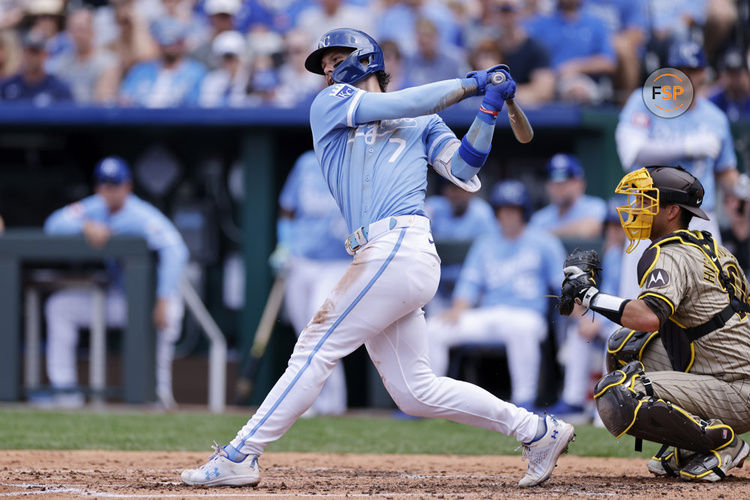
(649, 188)
(686, 54)
(112, 170)
(365, 59)
(511, 193)
(562, 167)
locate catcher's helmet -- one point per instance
(649, 188)
(366, 59)
(686, 54)
(511, 193)
(112, 170)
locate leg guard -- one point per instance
(625, 407)
(626, 345)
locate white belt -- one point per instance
(361, 236)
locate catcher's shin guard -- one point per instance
(626, 345)
(626, 408)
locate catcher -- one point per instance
(679, 370)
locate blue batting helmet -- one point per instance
(562, 167)
(112, 170)
(686, 54)
(511, 193)
(366, 59)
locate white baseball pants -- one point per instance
(308, 283)
(69, 310)
(378, 302)
(520, 330)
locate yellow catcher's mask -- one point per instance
(637, 215)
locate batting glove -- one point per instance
(483, 76)
(496, 95)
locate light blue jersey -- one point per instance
(704, 117)
(137, 218)
(377, 169)
(318, 228)
(585, 207)
(516, 273)
(478, 219)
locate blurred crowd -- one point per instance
(170, 53)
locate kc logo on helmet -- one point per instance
(667, 93)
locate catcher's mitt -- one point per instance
(581, 270)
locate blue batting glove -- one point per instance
(482, 77)
(496, 95)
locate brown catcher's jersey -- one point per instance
(679, 274)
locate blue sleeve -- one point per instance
(469, 284)
(597, 208)
(289, 197)
(437, 135)
(554, 259)
(727, 159)
(636, 15)
(602, 41)
(131, 81)
(334, 108)
(70, 218)
(162, 236)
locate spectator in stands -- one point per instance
(500, 294)
(182, 11)
(735, 235)
(571, 213)
(257, 14)
(221, 18)
(172, 80)
(587, 334)
(264, 81)
(92, 74)
(528, 59)
(483, 25)
(325, 15)
(33, 84)
(11, 13)
(580, 49)
(10, 53)
(432, 61)
(733, 94)
(398, 22)
(111, 211)
(394, 62)
(46, 19)
(455, 215)
(677, 20)
(134, 43)
(627, 22)
(227, 85)
(297, 86)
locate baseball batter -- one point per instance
(692, 389)
(374, 148)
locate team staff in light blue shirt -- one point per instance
(500, 296)
(310, 253)
(455, 215)
(699, 140)
(111, 211)
(374, 148)
(571, 213)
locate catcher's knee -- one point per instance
(625, 408)
(626, 345)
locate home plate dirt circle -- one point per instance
(130, 474)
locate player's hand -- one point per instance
(483, 77)
(279, 260)
(160, 313)
(702, 145)
(96, 234)
(496, 95)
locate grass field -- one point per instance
(131, 430)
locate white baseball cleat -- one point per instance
(544, 451)
(220, 471)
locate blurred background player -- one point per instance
(586, 335)
(455, 215)
(311, 254)
(732, 94)
(699, 140)
(570, 213)
(115, 210)
(500, 294)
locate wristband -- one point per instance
(487, 114)
(609, 306)
(472, 156)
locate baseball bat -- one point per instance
(518, 122)
(246, 381)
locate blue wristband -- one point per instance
(471, 155)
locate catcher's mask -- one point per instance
(649, 187)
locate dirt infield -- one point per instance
(66, 474)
